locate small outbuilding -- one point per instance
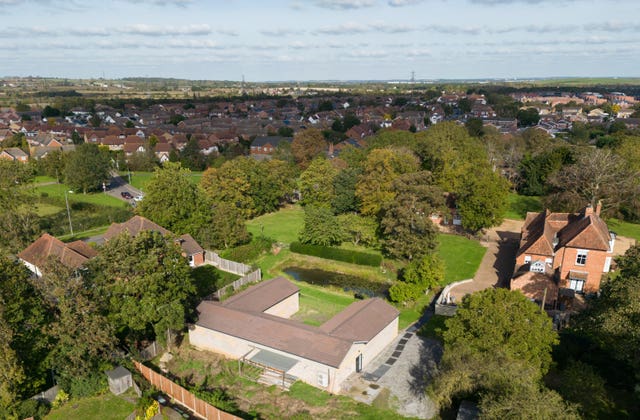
(120, 380)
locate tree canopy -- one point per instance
(87, 168)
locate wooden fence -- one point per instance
(229, 266)
(184, 397)
(253, 277)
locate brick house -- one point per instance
(263, 147)
(14, 154)
(72, 255)
(562, 251)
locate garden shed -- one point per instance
(120, 380)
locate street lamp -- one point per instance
(66, 200)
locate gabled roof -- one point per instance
(72, 255)
(189, 245)
(361, 321)
(262, 296)
(16, 152)
(134, 226)
(581, 230)
(243, 316)
(272, 140)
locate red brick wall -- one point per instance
(198, 259)
(594, 265)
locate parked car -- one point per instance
(138, 197)
(126, 195)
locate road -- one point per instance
(118, 185)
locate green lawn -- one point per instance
(84, 234)
(105, 407)
(99, 198)
(46, 209)
(461, 257)
(318, 305)
(282, 226)
(140, 179)
(622, 228)
(519, 205)
(207, 279)
(41, 179)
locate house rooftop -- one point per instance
(262, 296)
(72, 255)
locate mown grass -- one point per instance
(622, 228)
(318, 305)
(282, 226)
(519, 205)
(84, 234)
(105, 407)
(98, 198)
(140, 180)
(461, 257)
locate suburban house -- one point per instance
(14, 154)
(254, 327)
(263, 147)
(190, 248)
(72, 255)
(560, 251)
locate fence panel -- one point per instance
(183, 396)
(253, 277)
(226, 265)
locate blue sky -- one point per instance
(273, 40)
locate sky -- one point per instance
(282, 40)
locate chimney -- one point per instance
(588, 210)
(598, 207)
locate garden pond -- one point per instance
(361, 288)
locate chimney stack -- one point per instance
(588, 210)
(598, 207)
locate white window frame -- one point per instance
(577, 285)
(527, 259)
(582, 256)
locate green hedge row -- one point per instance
(338, 254)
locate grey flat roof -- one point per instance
(274, 360)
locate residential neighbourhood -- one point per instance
(321, 246)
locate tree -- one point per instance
(191, 157)
(528, 117)
(171, 198)
(581, 384)
(25, 314)
(225, 227)
(316, 183)
(382, 167)
(474, 127)
(321, 227)
(49, 111)
(145, 283)
(81, 335)
(285, 131)
(76, 138)
(95, 119)
(11, 373)
(307, 145)
(18, 223)
(528, 403)
(418, 276)
(406, 227)
(344, 187)
(359, 229)
(597, 175)
(498, 344)
(500, 321)
(87, 168)
(482, 200)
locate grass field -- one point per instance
(630, 230)
(318, 305)
(105, 407)
(141, 179)
(99, 198)
(519, 205)
(282, 226)
(461, 257)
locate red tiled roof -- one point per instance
(72, 255)
(134, 226)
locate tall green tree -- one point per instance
(18, 223)
(321, 227)
(171, 199)
(344, 187)
(382, 167)
(316, 183)
(82, 338)
(482, 200)
(87, 168)
(145, 283)
(406, 228)
(224, 227)
(360, 230)
(11, 373)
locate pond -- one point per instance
(361, 288)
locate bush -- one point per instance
(249, 252)
(338, 254)
(85, 386)
(32, 408)
(405, 292)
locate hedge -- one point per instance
(338, 254)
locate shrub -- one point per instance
(249, 252)
(85, 386)
(338, 254)
(32, 408)
(405, 292)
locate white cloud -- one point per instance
(153, 30)
(403, 3)
(344, 4)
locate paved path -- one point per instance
(496, 267)
(118, 185)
